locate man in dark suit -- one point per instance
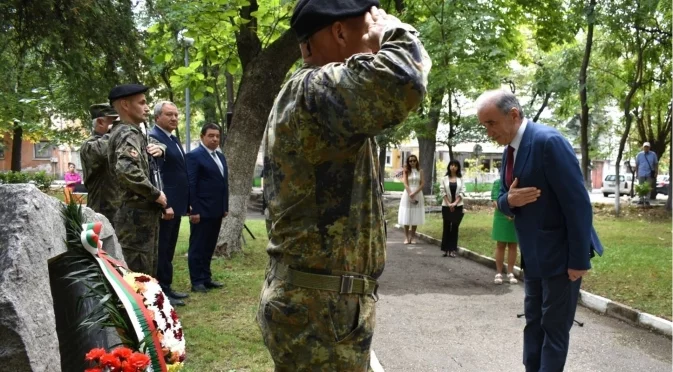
(176, 188)
(209, 198)
(542, 188)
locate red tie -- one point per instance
(509, 170)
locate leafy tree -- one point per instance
(57, 58)
(252, 42)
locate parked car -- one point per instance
(662, 185)
(625, 182)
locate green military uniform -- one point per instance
(327, 238)
(97, 179)
(93, 154)
(137, 219)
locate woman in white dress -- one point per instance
(412, 206)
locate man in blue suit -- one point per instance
(209, 198)
(543, 189)
(176, 188)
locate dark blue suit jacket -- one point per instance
(555, 232)
(208, 189)
(173, 173)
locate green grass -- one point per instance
(220, 326)
(635, 268)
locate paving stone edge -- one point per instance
(599, 304)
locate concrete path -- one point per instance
(445, 314)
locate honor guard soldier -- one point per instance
(140, 202)
(364, 71)
(93, 154)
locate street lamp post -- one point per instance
(186, 42)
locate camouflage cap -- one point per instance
(310, 16)
(100, 110)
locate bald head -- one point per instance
(501, 114)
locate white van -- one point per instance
(625, 182)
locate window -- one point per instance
(612, 178)
(389, 159)
(43, 150)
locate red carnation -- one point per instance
(94, 354)
(178, 334)
(96, 369)
(109, 360)
(122, 353)
(160, 300)
(143, 278)
(139, 361)
(174, 316)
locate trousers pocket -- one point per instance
(285, 313)
(346, 317)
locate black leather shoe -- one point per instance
(212, 284)
(175, 302)
(176, 295)
(199, 288)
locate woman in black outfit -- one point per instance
(453, 190)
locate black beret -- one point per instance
(126, 90)
(310, 16)
(100, 110)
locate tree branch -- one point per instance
(247, 41)
(278, 50)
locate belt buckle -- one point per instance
(346, 284)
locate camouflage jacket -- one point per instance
(97, 180)
(129, 166)
(320, 166)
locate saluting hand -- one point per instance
(376, 20)
(518, 197)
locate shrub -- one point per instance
(42, 180)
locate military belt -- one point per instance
(344, 284)
(140, 205)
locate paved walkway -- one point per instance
(444, 314)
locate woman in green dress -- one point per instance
(505, 236)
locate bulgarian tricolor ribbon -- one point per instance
(134, 305)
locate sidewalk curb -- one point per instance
(601, 305)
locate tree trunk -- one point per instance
(584, 116)
(17, 140)
(428, 140)
(230, 93)
(545, 102)
(670, 156)
(263, 75)
(628, 118)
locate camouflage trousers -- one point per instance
(315, 330)
(138, 234)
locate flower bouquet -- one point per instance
(121, 359)
(164, 318)
(133, 303)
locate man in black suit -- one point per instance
(176, 188)
(209, 199)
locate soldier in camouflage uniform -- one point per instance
(140, 202)
(327, 237)
(93, 154)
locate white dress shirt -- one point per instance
(169, 136)
(213, 154)
(516, 142)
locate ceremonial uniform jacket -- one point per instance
(129, 166)
(93, 154)
(320, 161)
